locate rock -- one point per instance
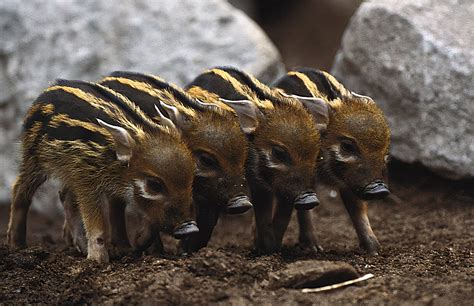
(416, 59)
(41, 41)
(312, 274)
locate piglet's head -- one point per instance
(356, 146)
(160, 171)
(286, 143)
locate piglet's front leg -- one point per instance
(281, 219)
(206, 221)
(73, 229)
(119, 243)
(264, 236)
(95, 227)
(307, 237)
(358, 211)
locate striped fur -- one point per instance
(354, 146)
(282, 125)
(210, 132)
(81, 133)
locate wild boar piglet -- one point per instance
(354, 148)
(217, 144)
(104, 149)
(284, 147)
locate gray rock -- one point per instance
(41, 41)
(416, 59)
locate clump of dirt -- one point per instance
(427, 257)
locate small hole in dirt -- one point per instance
(329, 278)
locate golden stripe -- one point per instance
(160, 79)
(336, 103)
(109, 109)
(88, 150)
(185, 108)
(163, 95)
(241, 88)
(310, 85)
(47, 109)
(30, 135)
(208, 97)
(342, 90)
(64, 118)
(132, 106)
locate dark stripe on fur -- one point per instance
(179, 94)
(291, 84)
(215, 84)
(99, 92)
(65, 132)
(321, 82)
(244, 78)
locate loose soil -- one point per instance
(427, 257)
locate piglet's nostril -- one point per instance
(185, 229)
(375, 190)
(238, 205)
(306, 201)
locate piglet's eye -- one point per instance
(206, 161)
(386, 159)
(155, 186)
(349, 147)
(281, 154)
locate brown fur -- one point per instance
(87, 163)
(354, 118)
(281, 122)
(211, 131)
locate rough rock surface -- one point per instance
(416, 59)
(41, 41)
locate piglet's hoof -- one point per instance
(370, 247)
(316, 249)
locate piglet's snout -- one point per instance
(306, 200)
(238, 205)
(376, 190)
(185, 229)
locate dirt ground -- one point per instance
(427, 257)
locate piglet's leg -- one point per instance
(24, 188)
(264, 235)
(358, 210)
(307, 238)
(157, 246)
(94, 224)
(206, 221)
(73, 228)
(281, 219)
(118, 230)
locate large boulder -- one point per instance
(41, 41)
(416, 59)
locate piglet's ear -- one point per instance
(247, 112)
(176, 119)
(318, 108)
(122, 139)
